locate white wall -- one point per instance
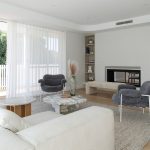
(75, 51)
(123, 47)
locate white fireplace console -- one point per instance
(92, 86)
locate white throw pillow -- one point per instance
(12, 121)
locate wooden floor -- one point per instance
(105, 98)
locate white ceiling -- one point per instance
(87, 12)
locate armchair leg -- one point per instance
(149, 102)
(121, 109)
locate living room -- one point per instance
(50, 38)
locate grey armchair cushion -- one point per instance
(122, 90)
(126, 86)
(144, 102)
(131, 96)
(47, 88)
(145, 88)
(126, 100)
(130, 93)
(53, 80)
(52, 83)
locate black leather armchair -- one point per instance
(52, 83)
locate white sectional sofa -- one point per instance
(87, 129)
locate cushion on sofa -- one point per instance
(12, 121)
(10, 141)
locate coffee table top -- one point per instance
(16, 101)
(57, 99)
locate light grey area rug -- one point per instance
(131, 134)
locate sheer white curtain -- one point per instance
(31, 53)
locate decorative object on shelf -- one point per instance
(87, 50)
(72, 67)
(89, 69)
(91, 78)
(91, 41)
(91, 52)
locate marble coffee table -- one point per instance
(65, 105)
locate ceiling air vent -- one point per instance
(124, 22)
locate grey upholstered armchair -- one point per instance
(128, 95)
(52, 83)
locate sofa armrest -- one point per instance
(88, 129)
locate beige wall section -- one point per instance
(75, 51)
(123, 47)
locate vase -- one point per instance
(72, 85)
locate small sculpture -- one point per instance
(89, 69)
(91, 78)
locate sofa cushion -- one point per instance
(87, 129)
(10, 141)
(12, 121)
(41, 117)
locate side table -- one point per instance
(20, 105)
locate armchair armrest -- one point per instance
(145, 95)
(41, 81)
(130, 93)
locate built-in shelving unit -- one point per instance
(90, 58)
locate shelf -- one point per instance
(90, 44)
(89, 73)
(90, 63)
(88, 54)
(90, 57)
